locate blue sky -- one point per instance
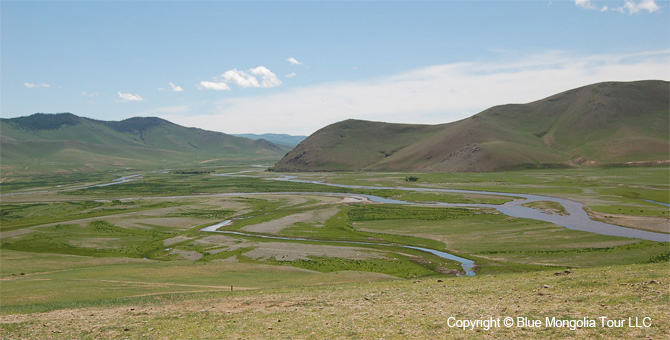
(294, 67)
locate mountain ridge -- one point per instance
(610, 123)
(69, 142)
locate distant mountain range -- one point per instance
(279, 139)
(610, 123)
(66, 142)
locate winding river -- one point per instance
(467, 265)
(576, 218)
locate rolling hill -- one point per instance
(610, 123)
(66, 142)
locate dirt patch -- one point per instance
(275, 226)
(217, 240)
(97, 242)
(186, 254)
(176, 239)
(282, 251)
(650, 223)
(178, 223)
(217, 250)
(232, 259)
(355, 199)
(19, 232)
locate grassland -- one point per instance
(398, 309)
(118, 261)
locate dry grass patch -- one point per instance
(277, 225)
(650, 223)
(282, 251)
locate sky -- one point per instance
(294, 67)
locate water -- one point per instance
(660, 203)
(576, 218)
(467, 265)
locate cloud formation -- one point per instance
(586, 4)
(251, 78)
(257, 77)
(127, 97)
(173, 87)
(33, 85)
(293, 61)
(630, 6)
(211, 85)
(429, 95)
(644, 5)
(176, 88)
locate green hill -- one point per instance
(601, 124)
(66, 142)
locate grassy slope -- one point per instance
(389, 310)
(593, 125)
(67, 142)
(353, 145)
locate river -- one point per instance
(467, 265)
(576, 218)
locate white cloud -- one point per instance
(293, 61)
(250, 79)
(630, 6)
(634, 7)
(429, 95)
(240, 78)
(210, 85)
(268, 79)
(127, 97)
(258, 77)
(173, 87)
(290, 75)
(33, 85)
(176, 88)
(586, 4)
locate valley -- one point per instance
(83, 245)
(142, 228)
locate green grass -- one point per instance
(98, 238)
(400, 309)
(17, 216)
(95, 248)
(102, 282)
(548, 206)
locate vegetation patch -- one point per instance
(547, 206)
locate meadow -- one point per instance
(70, 247)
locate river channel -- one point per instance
(467, 265)
(576, 218)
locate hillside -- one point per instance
(601, 124)
(66, 142)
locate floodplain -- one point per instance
(72, 245)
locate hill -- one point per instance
(609, 123)
(275, 138)
(66, 142)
